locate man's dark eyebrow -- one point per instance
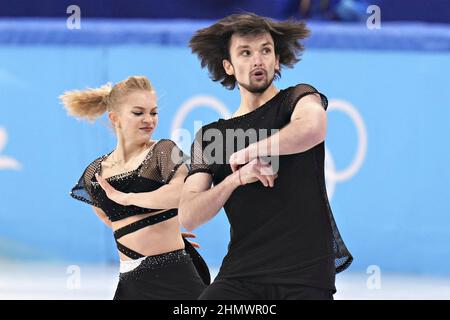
(267, 44)
(244, 46)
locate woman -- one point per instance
(144, 179)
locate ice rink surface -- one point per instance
(98, 282)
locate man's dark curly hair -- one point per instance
(212, 44)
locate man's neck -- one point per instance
(252, 101)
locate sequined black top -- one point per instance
(282, 234)
(157, 169)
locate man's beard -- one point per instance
(257, 89)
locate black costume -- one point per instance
(284, 237)
(180, 274)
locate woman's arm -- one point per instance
(165, 197)
(102, 215)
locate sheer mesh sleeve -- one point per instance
(169, 159)
(83, 189)
(300, 91)
(199, 162)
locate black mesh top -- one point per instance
(286, 230)
(157, 169)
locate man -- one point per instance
(284, 242)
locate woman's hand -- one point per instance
(190, 235)
(119, 197)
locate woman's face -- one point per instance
(136, 117)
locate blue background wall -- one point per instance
(393, 211)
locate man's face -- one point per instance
(253, 61)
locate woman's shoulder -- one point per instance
(94, 166)
(164, 143)
(169, 147)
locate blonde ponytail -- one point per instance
(87, 104)
(92, 103)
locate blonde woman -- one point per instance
(135, 189)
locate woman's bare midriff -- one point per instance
(152, 240)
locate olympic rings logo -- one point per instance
(332, 175)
